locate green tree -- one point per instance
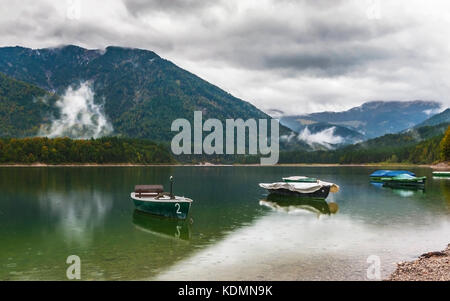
(445, 146)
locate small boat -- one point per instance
(441, 174)
(152, 199)
(300, 186)
(377, 175)
(404, 180)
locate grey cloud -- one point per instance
(319, 46)
(139, 7)
(318, 4)
(320, 64)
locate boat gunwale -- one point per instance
(161, 200)
(411, 180)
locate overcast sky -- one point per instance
(293, 56)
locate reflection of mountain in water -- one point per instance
(160, 226)
(78, 212)
(293, 205)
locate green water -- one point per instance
(47, 214)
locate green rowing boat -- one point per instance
(441, 174)
(404, 180)
(152, 199)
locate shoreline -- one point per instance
(440, 166)
(431, 266)
(86, 165)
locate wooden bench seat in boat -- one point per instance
(148, 190)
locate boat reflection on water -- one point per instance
(407, 192)
(294, 204)
(161, 226)
(403, 191)
(376, 184)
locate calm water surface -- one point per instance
(47, 214)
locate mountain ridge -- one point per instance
(436, 119)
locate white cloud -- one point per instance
(288, 138)
(325, 137)
(79, 117)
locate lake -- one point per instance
(233, 233)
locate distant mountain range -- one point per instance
(370, 120)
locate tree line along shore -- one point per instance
(81, 151)
(116, 150)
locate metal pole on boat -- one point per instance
(171, 187)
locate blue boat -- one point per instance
(377, 175)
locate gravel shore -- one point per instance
(431, 266)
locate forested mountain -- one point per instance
(141, 92)
(23, 107)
